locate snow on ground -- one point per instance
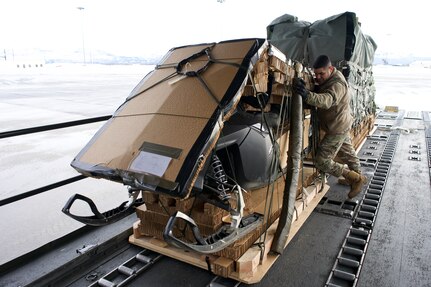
(409, 88)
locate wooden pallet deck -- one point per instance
(248, 268)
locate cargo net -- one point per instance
(362, 91)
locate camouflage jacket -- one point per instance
(332, 100)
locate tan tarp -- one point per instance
(161, 136)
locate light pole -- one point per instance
(82, 32)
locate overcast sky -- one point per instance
(138, 27)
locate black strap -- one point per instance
(183, 62)
(207, 260)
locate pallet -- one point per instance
(249, 268)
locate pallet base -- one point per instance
(249, 268)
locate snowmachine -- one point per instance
(209, 123)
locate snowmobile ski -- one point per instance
(102, 218)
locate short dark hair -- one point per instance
(321, 62)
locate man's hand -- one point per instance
(298, 86)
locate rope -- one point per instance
(263, 120)
(268, 206)
(275, 164)
(153, 85)
(316, 136)
(208, 90)
(178, 71)
(229, 159)
(164, 208)
(161, 114)
(205, 51)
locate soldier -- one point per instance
(332, 100)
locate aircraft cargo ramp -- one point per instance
(380, 239)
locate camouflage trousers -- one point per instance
(337, 147)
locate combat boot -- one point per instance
(357, 182)
(345, 181)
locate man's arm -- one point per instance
(328, 98)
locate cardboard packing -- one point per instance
(161, 136)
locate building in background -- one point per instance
(22, 59)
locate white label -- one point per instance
(150, 163)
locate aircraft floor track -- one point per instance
(140, 267)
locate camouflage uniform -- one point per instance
(340, 146)
(333, 111)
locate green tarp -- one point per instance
(341, 38)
